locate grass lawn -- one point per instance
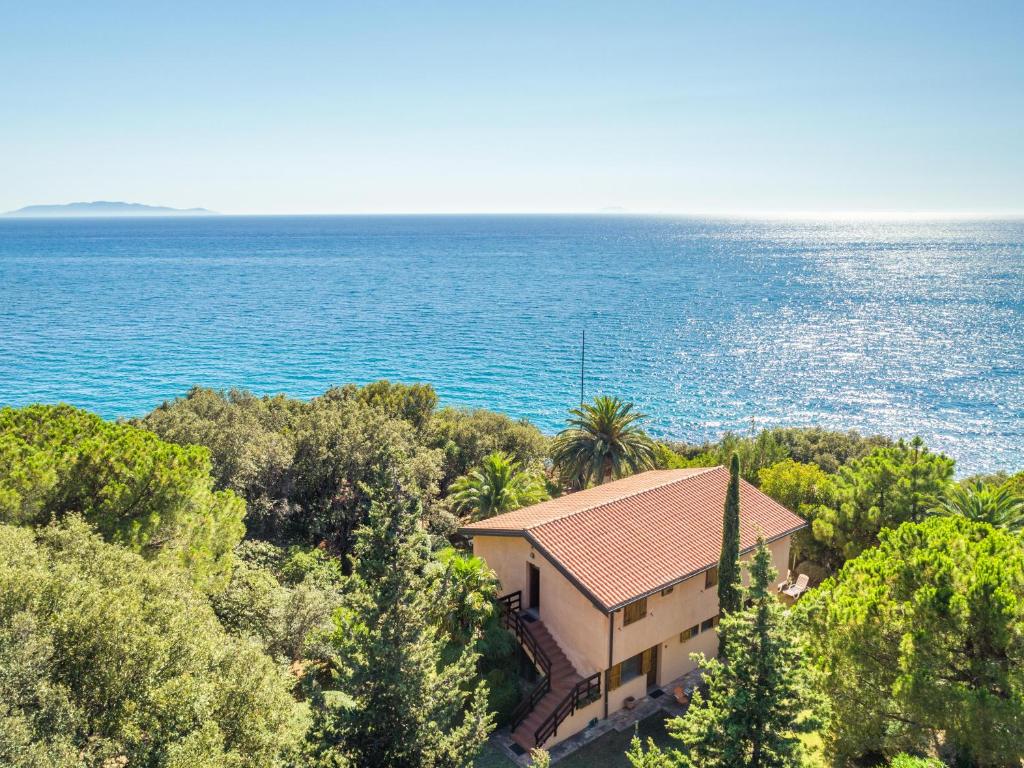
(609, 751)
(490, 757)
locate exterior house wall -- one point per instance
(579, 627)
(675, 655)
(582, 630)
(687, 605)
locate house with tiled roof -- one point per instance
(611, 589)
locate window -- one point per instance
(709, 624)
(634, 611)
(689, 634)
(711, 578)
(631, 668)
(667, 591)
(625, 671)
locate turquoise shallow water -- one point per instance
(898, 327)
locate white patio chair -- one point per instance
(798, 588)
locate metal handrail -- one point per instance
(511, 607)
(584, 692)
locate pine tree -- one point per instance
(729, 589)
(752, 715)
(400, 703)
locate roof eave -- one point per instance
(471, 531)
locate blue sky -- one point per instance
(548, 106)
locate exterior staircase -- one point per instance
(559, 692)
(563, 679)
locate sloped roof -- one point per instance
(632, 537)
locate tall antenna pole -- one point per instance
(583, 359)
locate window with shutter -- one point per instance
(634, 611)
(709, 624)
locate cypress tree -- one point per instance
(402, 701)
(729, 590)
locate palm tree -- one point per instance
(602, 442)
(498, 485)
(997, 505)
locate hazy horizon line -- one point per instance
(862, 215)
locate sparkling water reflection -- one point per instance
(898, 327)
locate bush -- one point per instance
(105, 657)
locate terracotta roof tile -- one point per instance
(629, 538)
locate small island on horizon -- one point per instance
(99, 208)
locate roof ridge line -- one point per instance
(606, 502)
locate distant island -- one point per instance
(106, 208)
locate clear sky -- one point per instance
(304, 107)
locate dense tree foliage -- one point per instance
(281, 599)
(466, 436)
(154, 497)
(498, 485)
(755, 708)
(400, 703)
(106, 659)
(797, 486)
(826, 449)
(920, 642)
(904, 760)
(463, 593)
(1016, 484)
(602, 442)
(343, 447)
(887, 487)
(304, 467)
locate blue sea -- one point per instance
(899, 327)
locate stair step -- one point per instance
(563, 678)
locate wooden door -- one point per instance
(650, 665)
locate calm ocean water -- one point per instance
(897, 327)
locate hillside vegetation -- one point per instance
(235, 580)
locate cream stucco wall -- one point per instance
(579, 627)
(637, 688)
(675, 655)
(576, 722)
